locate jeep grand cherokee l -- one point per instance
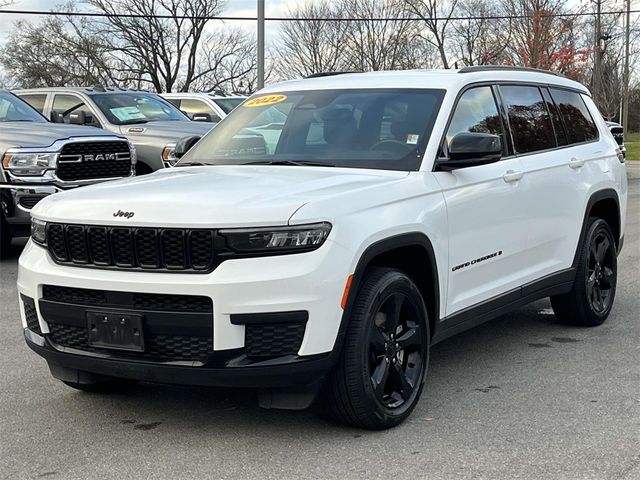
(39, 158)
(152, 125)
(327, 253)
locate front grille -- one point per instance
(30, 201)
(133, 300)
(31, 315)
(176, 327)
(93, 160)
(273, 339)
(167, 249)
(157, 347)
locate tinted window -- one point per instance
(372, 128)
(191, 107)
(476, 112)
(228, 104)
(577, 119)
(36, 101)
(561, 137)
(67, 104)
(529, 119)
(13, 109)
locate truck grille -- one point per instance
(167, 249)
(94, 160)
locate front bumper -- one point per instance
(312, 282)
(291, 372)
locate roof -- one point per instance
(200, 94)
(439, 79)
(79, 90)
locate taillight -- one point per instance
(620, 155)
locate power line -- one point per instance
(314, 19)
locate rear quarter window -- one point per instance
(579, 124)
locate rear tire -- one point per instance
(108, 385)
(590, 300)
(379, 377)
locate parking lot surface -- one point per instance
(520, 397)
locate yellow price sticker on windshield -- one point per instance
(265, 100)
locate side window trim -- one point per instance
(443, 147)
(551, 103)
(506, 125)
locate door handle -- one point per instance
(575, 163)
(512, 176)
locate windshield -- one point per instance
(373, 128)
(228, 104)
(13, 109)
(129, 108)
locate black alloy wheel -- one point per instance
(591, 298)
(380, 375)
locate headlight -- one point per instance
(29, 164)
(278, 239)
(39, 231)
(169, 154)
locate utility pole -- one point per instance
(597, 69)
(260, 43)
(625, 93)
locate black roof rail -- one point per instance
(98, 88)
(492, 68)
(328, 74)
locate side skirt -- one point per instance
(554, 284)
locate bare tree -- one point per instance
(309, 46)
(56, 52)
(479, 40)
(436, 18)
(382, 38)
(163, 50)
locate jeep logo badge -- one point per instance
(120, 213)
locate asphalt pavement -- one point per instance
(520, 397)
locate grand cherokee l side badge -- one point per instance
(120, 213)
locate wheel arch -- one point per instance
(400, 251)
(603, 204)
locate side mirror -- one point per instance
(468, 149)
(56, 117)
(184, 144)
(201, 117)
(78, 118)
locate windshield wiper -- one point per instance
(290, 162)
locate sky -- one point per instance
(238, 8)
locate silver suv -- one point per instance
(40, 158)
(152, 125)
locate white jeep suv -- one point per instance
(327, 252)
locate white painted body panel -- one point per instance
(466, 214)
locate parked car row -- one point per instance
(89, 135)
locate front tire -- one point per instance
(379, 377)
(590, 300)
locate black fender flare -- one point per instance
(372, 251)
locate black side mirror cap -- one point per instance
(184, 144)
(56, 117)
(469, 149)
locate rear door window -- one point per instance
(578, 122)
(66, 104)
(529, 118)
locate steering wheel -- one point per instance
(391, 146)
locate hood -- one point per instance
(213, 196)
(28, 134)
(172, 130)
